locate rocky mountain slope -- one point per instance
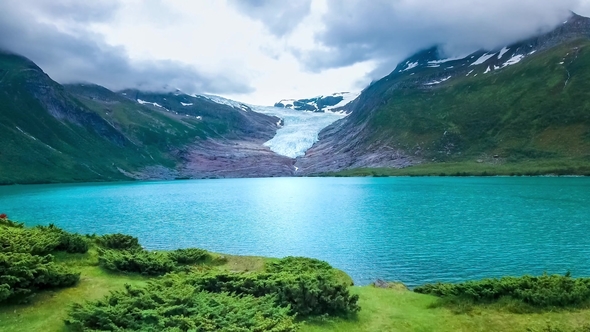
(55, 133)
(522, 102)
(334, 102)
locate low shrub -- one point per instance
(543, 291)
(180, 308)
(23, 274)
(137, 261)
(40, 240)
(72, 243)
(298, 265)
(119, 241)
(189, 256)
(306, 294)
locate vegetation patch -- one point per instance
(547, 291)
(26, 263)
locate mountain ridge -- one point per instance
(433, 111)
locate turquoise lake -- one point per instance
(414, 230)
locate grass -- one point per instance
(403, 310)
(383, 309)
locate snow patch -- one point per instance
(436, 62)
(502, 52)
(347, 97)
(186, 104)
(143, 102)
(483, 59)
(439, 82)
(410, 65)
(469, 73)
(488, 70)
(514, 60)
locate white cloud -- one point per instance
(240, 50)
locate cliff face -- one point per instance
(509, 102)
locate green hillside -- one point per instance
(528, 118)
(522, 112)
(84, 132)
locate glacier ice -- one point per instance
(300, 128)
(299, 131)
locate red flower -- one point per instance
(3, 216)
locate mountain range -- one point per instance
(521, 104)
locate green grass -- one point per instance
(391, 309)
(402, 310)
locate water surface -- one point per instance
(415, 230)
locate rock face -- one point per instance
(333, 102)
(216, 158)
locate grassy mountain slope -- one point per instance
(82, 132)
(49, 136)
(473, 116)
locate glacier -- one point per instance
(299, 131)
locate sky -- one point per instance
(258, 51)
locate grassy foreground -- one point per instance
(391, 307)
(382, 309)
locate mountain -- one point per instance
(84, 132)
(525, 102)
(333, 102)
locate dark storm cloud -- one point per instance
(73, 54)
(279, 17)
(388, 31)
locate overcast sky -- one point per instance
(258, 51)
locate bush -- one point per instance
(40, 240)
(298, 265)
(119, 241)
(72, 243)
(22, 274)
(180, 308)
(137, 261)
(306, 294)
(189, 256)
(543, 291)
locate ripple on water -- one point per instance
(415, 230)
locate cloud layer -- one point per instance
(280, 17)
(54, 35)
(387, 31)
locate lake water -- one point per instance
(415, 230)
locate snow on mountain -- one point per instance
(319, 103)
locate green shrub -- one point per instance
(119, 241)
(543, 291)
(180, 308)
(22, 274)
(298, 265)
(189, 256)
(137, 261)
(40, 240)
(72, 243)
(307, 294)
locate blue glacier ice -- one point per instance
(299, 130)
